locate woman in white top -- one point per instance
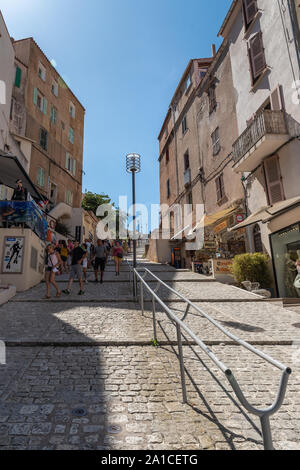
(53, 262)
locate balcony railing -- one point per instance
(187, 177)
(266, 123)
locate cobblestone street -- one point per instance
(83, 374)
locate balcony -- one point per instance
(263, 137)
(187, 177)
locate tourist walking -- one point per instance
(53, 263)
(85, 262)
(100, 257)
(64, 255)
(77, 257)
(118, 255)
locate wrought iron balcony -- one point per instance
(266, 133)
(187, 177)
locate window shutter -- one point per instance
(67, 160)
(35, 95)
(257, 55)
(273, 178)
(250, 10)
(74, 167)
(222, 186)
(18, 77)
(45, 106)
(218, 187)
(276, 101)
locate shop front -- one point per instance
(285, 245)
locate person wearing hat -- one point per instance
(20, 193)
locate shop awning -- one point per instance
(11, 170)
(266, 214)
(218, 216)
(212, 219)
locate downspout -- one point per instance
(176, 150)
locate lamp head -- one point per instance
(133, 163)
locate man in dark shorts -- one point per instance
(100, 260)
(77, 256)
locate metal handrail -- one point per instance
(263, 414)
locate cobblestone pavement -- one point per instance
(82, 374)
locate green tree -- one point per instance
(92, 201)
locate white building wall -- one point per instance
(280, 57)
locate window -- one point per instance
(69, 197)
(72, 110)
(43, 139)
(71, 135)
(168, 189)
(258, 246)
(53, 116)
(18, 77)
(186, 161)
(190, 200)
(212, 99)
(184, 125)
(40, 101)
(70, 164)
(256, 56)
(42, 72)
(41, 177)
(215, 137)
(274, 180)
(220, 188)
(167, 156)
(202, 73)
(54, 88)
(249, 9)
(187, 83)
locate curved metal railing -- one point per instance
(263, 414)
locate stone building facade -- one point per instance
(264, 53)
(46, 112)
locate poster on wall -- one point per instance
(13, 255)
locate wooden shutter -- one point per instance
(257, 55)
(218, 187)
(275, 98)
(18, 77)
(274, 180)
(74, 167)
(35, 95)
(45, 106)
(250, 10)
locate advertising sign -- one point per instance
(13, 255)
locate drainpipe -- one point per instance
(295, 29)
(176, 150)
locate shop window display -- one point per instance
(286, 255)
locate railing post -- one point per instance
(154, 318)
(182, 372)
(266, 432)
(142, 297)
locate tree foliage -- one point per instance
(92, 201)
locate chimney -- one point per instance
(213, 50)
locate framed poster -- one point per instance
(13, 255)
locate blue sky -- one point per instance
(123, 60)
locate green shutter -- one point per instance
(74, 167)
(67, 160)
(35, 95)
(44, 106)
(18, 77)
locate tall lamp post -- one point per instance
(133, 166)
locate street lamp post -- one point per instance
(133, 166)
